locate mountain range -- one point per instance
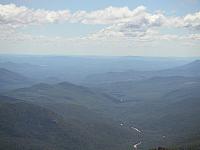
(106, 111)
(188, 70)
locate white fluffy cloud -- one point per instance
(19, 16)
(13, 15)
(110, 15)
(122, 22)
(192, 20)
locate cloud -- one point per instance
(110, 15)
(137, 24)
(141, 25)
(14, 16)
(192, 20)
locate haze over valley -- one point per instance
(99, 75)
(106, 110)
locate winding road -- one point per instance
(135, 146)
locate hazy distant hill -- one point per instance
(63, 92)
(38, 73)
(162, 104)
(11, 80)
(147, 89)
(156, 116)
(191, 68)
(31, 127)
(75, 68)
(180, 119)
(188, 70)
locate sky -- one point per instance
(106, 27)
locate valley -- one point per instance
(126, 110)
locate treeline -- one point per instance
(186, 147)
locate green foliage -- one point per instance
(185, 147)
(29, 126)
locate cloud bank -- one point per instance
(121, 21)
(19, 16)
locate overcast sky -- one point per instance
(104, 27)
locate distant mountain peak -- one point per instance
(41, 85)
(10, 80)
(4, 70)
(65, 83)
(196, 62)
(193, 65)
